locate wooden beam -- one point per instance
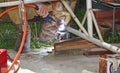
(76, 43)
(97, 51)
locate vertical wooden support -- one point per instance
(74, 16)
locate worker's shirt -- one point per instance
(52, 6)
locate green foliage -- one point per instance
(35, 43)
(79, 12)
(98, 1)
(111, 37)
(7, 35)
(35, 28)
(117, 1)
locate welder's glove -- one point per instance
(42, 10)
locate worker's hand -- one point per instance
(42, 10)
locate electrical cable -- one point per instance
(17, 64)
(24, 32)
(23, 39)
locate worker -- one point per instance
(48, 27)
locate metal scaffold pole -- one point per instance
(13, 3)
(90, 19)
(94, 40)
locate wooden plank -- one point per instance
(76, 43)
(106, 15)
(68, 52)
(97, 51)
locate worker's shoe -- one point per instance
(26, 47)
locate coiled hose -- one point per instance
(24, 32)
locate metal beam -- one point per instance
(89, 17)
(13, 3)
(35, 1)
(94, 40)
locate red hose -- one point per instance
(24, 32)
(15, 7)
(20, 49)
(8, 10)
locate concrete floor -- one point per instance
(39, 61)
(61, 64)
(43, 62)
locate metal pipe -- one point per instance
(89, 18)
(13, 3)
(94, 40)
(34, 1)
(96, 25)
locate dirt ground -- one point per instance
(43, 62)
